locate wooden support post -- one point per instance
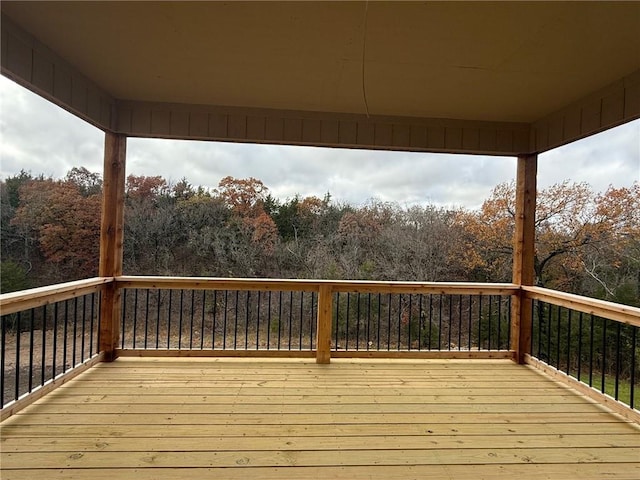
(323, 341)
(112, 238)
(523, 253)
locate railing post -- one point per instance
(112, 238)
(323, 341)
(523, 253)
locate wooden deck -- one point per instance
(165, 418)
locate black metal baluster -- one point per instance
(591, 342)
(204, 307)
(557, 365)
(75, 332)
(440, 322)
(99, 326)
(123, 330)
(134, 333)
(539, 316)
(66, 336)
(409, 324)
(337, 320)
(459, 322)
(180, 318)
(369, 342)
(269, 321)
(604, 354)
(3, 349)
(246, 319)
(92, 315)
(213, 320)
(470, 322)
(568, 370)
(634, 336)
(169, 318)
(84, 330)
(290, 318)
(399, 320)
(146, 319)
(550, 319)
(509, 322)
(279, 317)
(17, 368)
(311, 321)
(490, 322)
(389, 323)
(618, 359)
(500, 325)
(580, 336)
(31, 326)
(55, 338)
(420, 321)
(43, 373)
(158, 293)
(450, 297)
(191, 317)
(379, 320)
(258, 320)
(358, 322)
(534, 332)
(224, 320)
(479, 321)
(430, 320)
(301, 317)
(346, 333)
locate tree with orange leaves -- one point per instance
(574, 227)
(65, 220)
(245, 197)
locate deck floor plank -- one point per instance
(147, 418)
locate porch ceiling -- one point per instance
(490, 64)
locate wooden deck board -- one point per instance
(247, 418)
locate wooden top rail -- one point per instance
(352, 286)
(601, 308)
(37, 297)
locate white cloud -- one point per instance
(39, 137)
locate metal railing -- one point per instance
(421, 322)
(187, 319)
(46, 333)
(50, 334)
(595, 343)
(213, 314)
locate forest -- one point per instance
(586, 242)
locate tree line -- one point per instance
(587, 242)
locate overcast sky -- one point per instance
(39, 137)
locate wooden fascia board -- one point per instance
(606, 108)
(327, 129)
(30, 63)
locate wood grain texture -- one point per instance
(112, 238)
(602, 308)
(37, 297)
(161, 418)
(309, 285)
(524, 252)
